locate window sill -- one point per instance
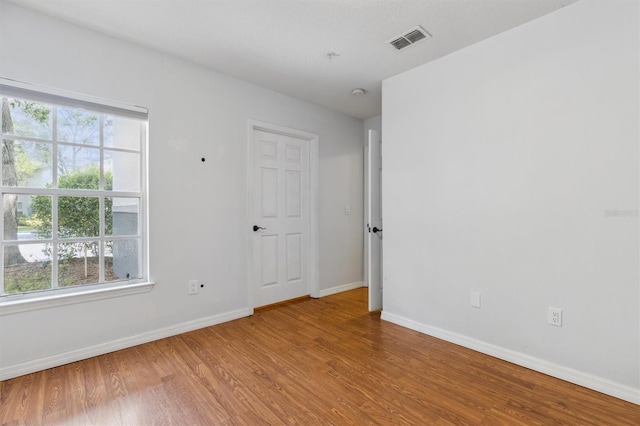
(9, 307)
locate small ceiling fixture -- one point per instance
(358, 92)
(409, 38)
(332, 54)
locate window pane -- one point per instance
(27, 164)
(84, 168)
(120, 132)
(78, 263)
(78, 168)
(26, 217)
(27, 267)
(121, 216)
(122, 260)
(78, 217)
(78, 126)
(36, 253)
(125, 169)
(26, 118)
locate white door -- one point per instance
(374, 222)
(280, 218)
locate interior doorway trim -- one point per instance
(314, 191)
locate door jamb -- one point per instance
(314, 191)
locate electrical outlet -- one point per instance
(555, 316)
(192, 287)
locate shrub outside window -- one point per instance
(73, 194)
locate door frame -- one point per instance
(365, 215)
(374, 194)
(313, 284)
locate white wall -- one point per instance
(198, 211)
(501, 162)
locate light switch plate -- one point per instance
(475, 299)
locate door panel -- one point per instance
(293, 194)
(269, 256)
(281, 205)
(294, 257)
(269, 192)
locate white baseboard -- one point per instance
(115, 345)
(341, 288)
(590, 381)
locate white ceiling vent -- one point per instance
(409, 38)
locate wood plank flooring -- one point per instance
(325, 362)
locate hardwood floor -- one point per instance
(325, 361)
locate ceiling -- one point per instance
(284, 44)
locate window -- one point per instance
(73, 191)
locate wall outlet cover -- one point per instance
(192, 287)
(555, 316)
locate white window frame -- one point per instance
(20, 302)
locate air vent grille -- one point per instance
(415, 36)
(411, 37)
(400, 43)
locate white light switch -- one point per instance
(347, 209)
(475, 299)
